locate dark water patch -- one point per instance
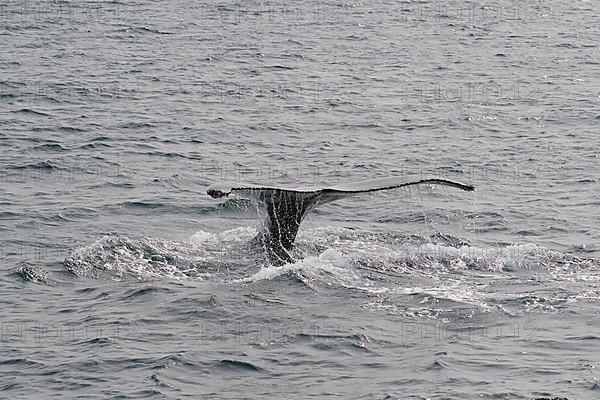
(236, 366)
(67, 311)
(146, 291)
(11, 386)
(256, 297)
(74, 213)
(103, 139)
(174, 155)
(87, 290)
(209, 301)
(93, 293)
(157, 381)
(6, 97)
(51, 147)
(143, 29)
(527, 233)
(8, 215)
(72, 129)
(279, 67)
(143, 204)
(98, 341)
(115, 185)
(9, 63)
(584, 338)
(135, 125)
(437, 365)
(170, 141)
(587, 180)
(44, 165)
(141, 394)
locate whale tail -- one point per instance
(285, 208)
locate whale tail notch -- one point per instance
(285, 208)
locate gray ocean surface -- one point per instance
(122, 279)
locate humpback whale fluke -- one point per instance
(286, 207)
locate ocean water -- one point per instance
(122, 279)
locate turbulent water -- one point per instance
(122, 279)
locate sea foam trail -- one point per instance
(429, 270)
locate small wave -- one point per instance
(30, 112)
(143, 29)
(144, 291)
(51, 146)
(135, 125)
(173, 359)
(33, 274)
(9, 215)
(238, 366)
(280, 67)
(24, 362)
(94, 145)
(47, 164)
(205, 256)
(119, 258)
(71, 129)
(142, 204)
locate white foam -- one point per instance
(330, 260)
(240, 234)
(201, 237)
(401, 265)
